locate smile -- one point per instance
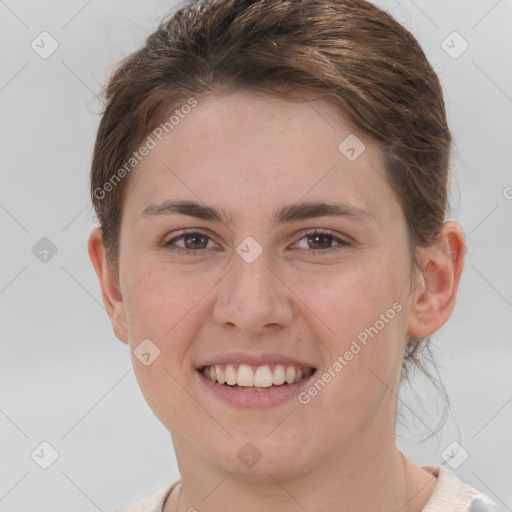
(256, 378)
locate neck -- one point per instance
(377, 478)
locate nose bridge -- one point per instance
(252, 296)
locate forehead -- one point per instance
(243, 146)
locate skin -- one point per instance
(249, 155)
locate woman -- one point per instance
(270, 179)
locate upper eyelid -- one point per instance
(189, 231)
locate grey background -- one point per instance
(65, 378)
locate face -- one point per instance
(230, 256)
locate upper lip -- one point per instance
(259, 359)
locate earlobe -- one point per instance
(433, 297)
(112, 298)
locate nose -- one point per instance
(253, 297)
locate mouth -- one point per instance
(261, 378)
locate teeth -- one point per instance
(259, 378)
(290, 374)
(245, 376)
(263, 377)
(221, 378)
(230, 375)
(279, 375)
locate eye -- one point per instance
(322, 240)
(193, 241)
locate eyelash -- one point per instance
(341, 242)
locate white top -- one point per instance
(450, 495)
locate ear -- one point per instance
(111, 295)
(435, 289)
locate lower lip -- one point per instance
(274, 396)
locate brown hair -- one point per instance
(347, 50)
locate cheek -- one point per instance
(360, 319)
(163, 302)
(352, 299)
(163, 307)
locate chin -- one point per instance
(259, 458)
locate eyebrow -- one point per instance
(287, 213)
